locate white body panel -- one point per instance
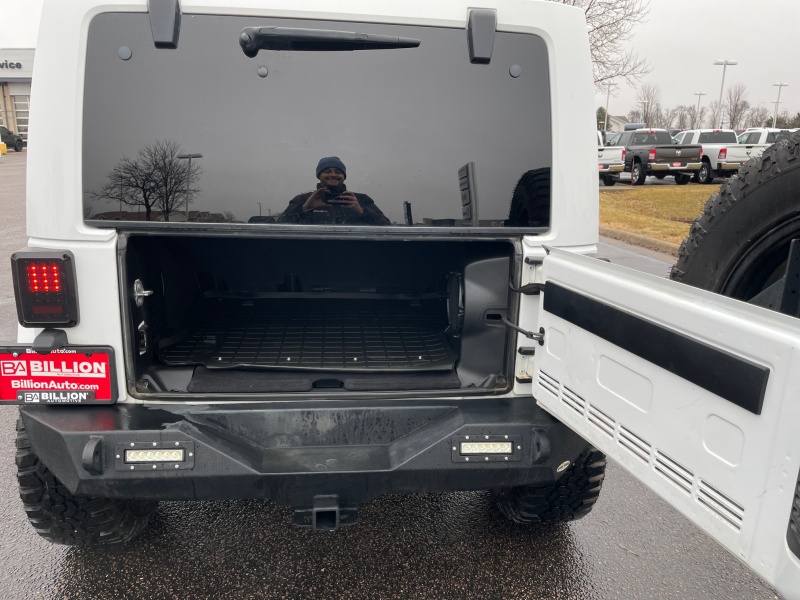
(54, 177)
(732, 472)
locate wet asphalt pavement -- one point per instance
(632, 545)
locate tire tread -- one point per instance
(568, 499)
(62, 518)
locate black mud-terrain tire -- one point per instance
(18, 146)
(530, 203)
(638, 174)
(62, 518)
(568, 499)
(706, 174)
(608, 180)
(682, 179)
(740, 244)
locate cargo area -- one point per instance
(221, 315)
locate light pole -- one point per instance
(609, 85)
(259, 208)
(188, 177)
(697, 114)
(724, 64)
(777, 102)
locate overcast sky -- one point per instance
(681, 39)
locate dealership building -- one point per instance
(16, 68)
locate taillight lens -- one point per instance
(44, 288)
(623, 154)
(652, 154)
(723, 154)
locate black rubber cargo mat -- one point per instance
(208, 381)
(317, 334)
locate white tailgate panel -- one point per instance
(621, 352)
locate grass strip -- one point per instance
(660, 212)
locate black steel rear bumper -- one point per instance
(293, 453)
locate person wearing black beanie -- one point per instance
(332, 203)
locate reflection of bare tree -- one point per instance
(154, 179)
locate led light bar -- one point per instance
(150, 456)
(486, 448)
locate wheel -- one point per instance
(62, 518)
(568, 499)
(638, 174)
(608, 180)
(740, 244)
(660, 175)
(706, 174)
(682, 178)
(18, 146)
(530, 203)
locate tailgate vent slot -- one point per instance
(574, 401)
(601, 420)
(633, 443)
(722, 506)
(674, 472)
(548, 384)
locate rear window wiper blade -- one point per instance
(253, 39)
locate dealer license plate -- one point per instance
(677, 164)
(71, 375)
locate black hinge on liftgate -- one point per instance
(480, 34)
(165, 22)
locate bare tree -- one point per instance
(611, 24)
(736, 104)
(649, 98)
(668, 118)
(757, 116)
(682, 118)
(155, 179)
(695, 116)
(714, 113)
(635, 116)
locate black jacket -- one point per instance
(333, 215)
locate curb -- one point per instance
(640, 240)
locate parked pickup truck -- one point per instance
(722, 154)
(610, 160)
(764, 135)
(651, 152)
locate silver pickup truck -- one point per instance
(610, 161)
(722, 154)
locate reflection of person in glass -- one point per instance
(332, 203)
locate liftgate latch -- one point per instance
(539, 337)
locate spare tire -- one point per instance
(740, 244)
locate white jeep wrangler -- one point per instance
(224, 324)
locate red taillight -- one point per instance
(723, 154)
(44, 277)
(652, 154)
(623, 154)
(700, 154)
(44, 287)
